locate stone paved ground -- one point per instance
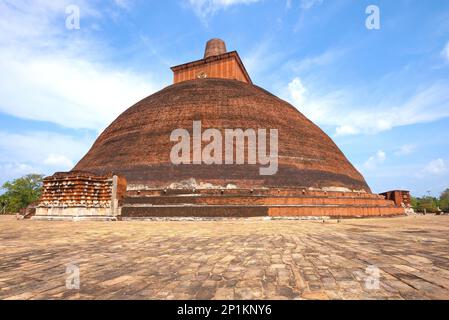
(234, 259)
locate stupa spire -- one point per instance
(214, 47)
(217, 63)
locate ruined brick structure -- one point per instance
(81, 194)
(314, 177)
(400, 197)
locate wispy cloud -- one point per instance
(303, 4)
(445, 52)
(205, 9)
(12, 170)
(262, 51)
(36, 146)
(58, 160)
(53, 74)
(39, 152)
(125, 4)
(320, 60)
(437, 167)
(28, 19)
(374, 161)
(73, 92)
(49, 75)
(338, 109)
(406, 149)
(308, 4)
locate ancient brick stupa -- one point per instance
(129, 172)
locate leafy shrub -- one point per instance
(20, 193)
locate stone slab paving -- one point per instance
(227, 259)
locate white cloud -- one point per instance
(73, 93)
(39, 152)
(59, 160)
(297, 91)
(13, 170)
(48, 73)
(37, 147)
(345, 130)
(204, 9)
(437, 167)
(374, 161)
(31, 19)
(406, 149)
(318, 109)
(337, 108)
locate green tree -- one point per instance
(427, 204)
(20, 193)
(3, 203)
(445, 194)
(414, 202)
(444, 201)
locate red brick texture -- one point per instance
(80, 189)
(259, 202)
(224, 66)
(137, 144)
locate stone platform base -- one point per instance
(79, 195)
(245, 203)
(74, 218)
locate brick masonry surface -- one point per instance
(226, 259)
(139, 140)
(81, 194)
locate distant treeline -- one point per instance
(21, 192)
(432, 204)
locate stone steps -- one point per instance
(254, 200)
(336, 211)
(193, 211)
(286, 192)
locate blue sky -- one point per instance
(382, 95)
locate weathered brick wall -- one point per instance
(293, 202)
(225, 66)
(399, 197)
(137, 145)
(81, 194)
